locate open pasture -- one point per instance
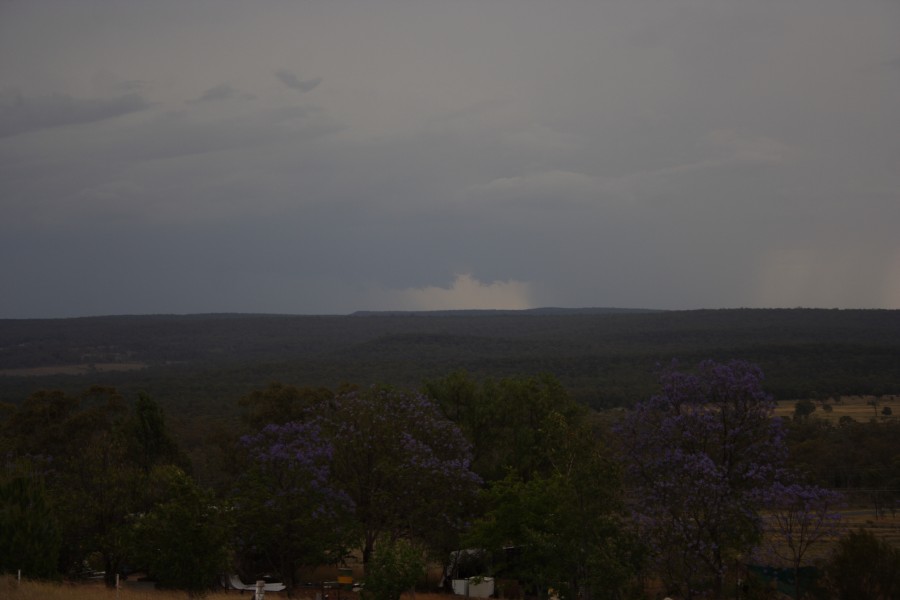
(859, 408)
(11, 589)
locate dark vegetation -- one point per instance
(260, 443)
(200, 364)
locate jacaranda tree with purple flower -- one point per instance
(701, 459)
(289, 509)
(402, 463)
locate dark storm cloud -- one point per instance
(294, 82)
(658, 153)
(21, 114)
(223, 91)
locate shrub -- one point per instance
(394, 568)
(864, 567)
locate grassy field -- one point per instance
(858, 408)
(77, 369)
(39, 590)
(861, 409)
(11, 589)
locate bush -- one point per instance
(29, 537)
(864, 567)
(803, 408)
(394, 569)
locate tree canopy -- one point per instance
(404, 465)
(682, 488)
(702, 459)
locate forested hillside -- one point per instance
(203, 363)
(479, 437)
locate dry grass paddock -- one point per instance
(11, 589)
(80, 369)
(858, 408)
(862, 409)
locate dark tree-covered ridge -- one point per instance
(604, 357)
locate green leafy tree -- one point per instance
(183, 541)
(153, 444)
(395, 568)
(30, 539)
(99, 492)
(404, 466)
(280, 403)
(502, 418)
(77, 445)
(565, 520)
(93, 456)
(803, 409)
(864, 567)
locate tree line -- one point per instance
(684, 490)
(204, 363)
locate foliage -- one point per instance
(404, 466)
(77, 444)
(864, 567)
(29, 535)
(395, 567)
(288, 506)
(803, 409)
(701, 458)
(280, 403)
(504, 418)
(87, 451)
(858, 458)
(563, 519)
(801, 517)
(147, 432)
(184, 540)
(199, 364)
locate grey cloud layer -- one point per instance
(655, 154)
(21, 114)
(293, 82)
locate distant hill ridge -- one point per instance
(477, 312)
(604, 356)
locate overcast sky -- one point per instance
(318, 157)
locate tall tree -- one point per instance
(77, 444)
(280, 403)
(152, 442)
(184, 539)
(30, 539)
(289, 509)
(565, 520)
(864, 567)
(403, 464)
(395, 568)
(701, 459)
(502, 418)
(801, 516)
(84, 448)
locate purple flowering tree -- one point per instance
(289, 510)
(700, 460)
(402, 463)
